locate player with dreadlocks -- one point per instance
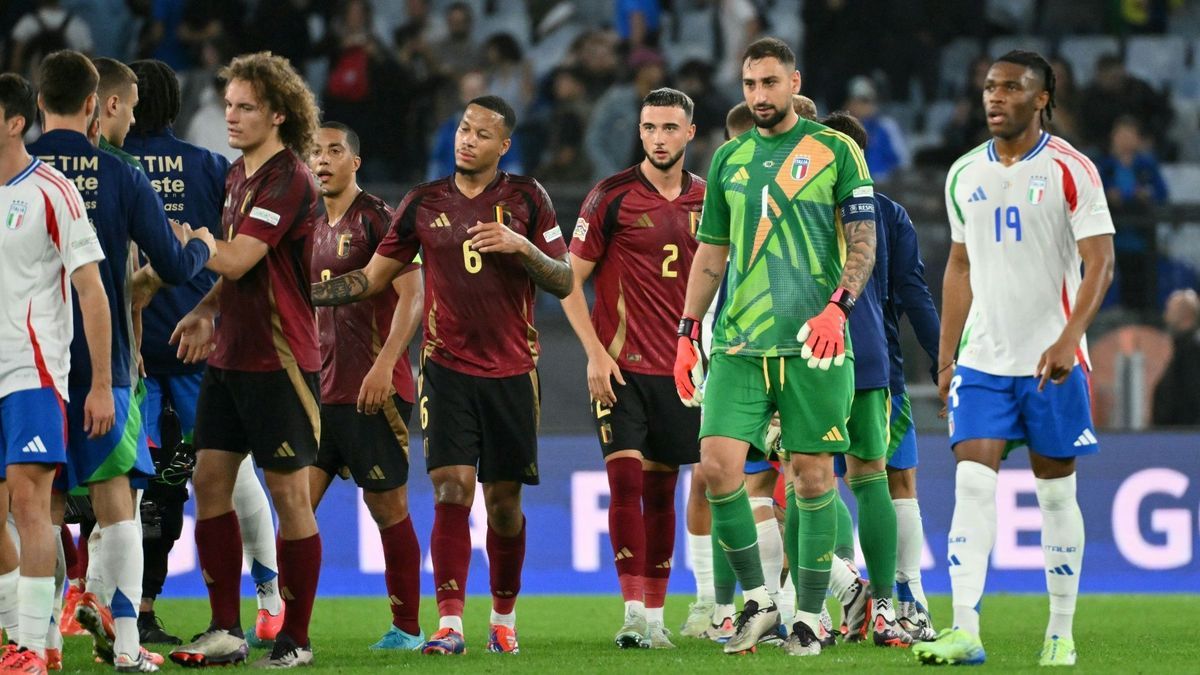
(191, 182)
(1025, 210)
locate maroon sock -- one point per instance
(219, 545)
(658, 507)
(626, 531)
(506, 557)
(82, 550)
(402, 559)
(299, 571)
(450, 547)
(70, 553)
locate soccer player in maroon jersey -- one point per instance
(637, 231)
(259, 393)
(488, 239)
(366, 378)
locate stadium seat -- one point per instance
(511, 19)
(1156, 58)
(552, 49)
(695, 37)
(1182, 180)
(1083, 51)
(955, 59)
(1004, 44)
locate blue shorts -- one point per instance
(122, 451)
(33, 428)
(181, 391)
(902, 449)
(1056, 422)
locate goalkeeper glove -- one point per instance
(824, 335)
(690, 362)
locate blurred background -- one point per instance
(399, 71)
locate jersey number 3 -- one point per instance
(1011, 220)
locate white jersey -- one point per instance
(1020, 225)
(45, 237)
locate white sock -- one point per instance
(758, 595)
(1062, 544)
(258, 536)
(787, 601)
(654, 615)
(9, 603)
(36, 599)
(720, 612)
(94, 574)
(509, 619)
(54, 635)
(452, 622)
(121, 557)
(908, 552)
(635, 606)
(770, 551)
(841, 579)
(972, 535)
(700, 551)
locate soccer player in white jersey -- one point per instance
(1025, 210)
(46, 238)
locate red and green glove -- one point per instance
(690, 362)
(824, 335)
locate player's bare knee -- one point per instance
(902, 483)
(1048, 468)
(503, 502)
(761, 484)
(387, 507)
(813, 475)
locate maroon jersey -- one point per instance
(478, 306)
(644, 245)
(352, 335)
(266, 320)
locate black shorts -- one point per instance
(371, 448)
(273, 414)
(488, 423)
(649, 417)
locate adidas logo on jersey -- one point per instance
(977, 195)
(1086, 438)
(833, 435)
(35, 446)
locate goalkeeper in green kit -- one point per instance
(790, 207)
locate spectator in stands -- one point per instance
(508, 75)
(887, 150)
(595, 52)
(1176, 397)
(111, 22)
(695, 78)
(562, 158)
(211, 19)
(458, 52)
(471, 85)
(288, 35)
(1066, 102)
(637, 22)
(1134, 186)
(738, 24)
(616, 113)
(160, 38)
(1114, 93)
(46, 29)
(967, 126)
(415, 63)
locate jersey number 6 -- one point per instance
(471, 258)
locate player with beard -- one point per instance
(366, 378)
(488, 239)
(637, 231)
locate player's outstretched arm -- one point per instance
(235, 258)
(1098, 260)
(193, 334)
(377, 385)
(99, 411)
(708, 268)
(601, 369)
(956, 302)
(359, 284)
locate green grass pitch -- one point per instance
(573, 634)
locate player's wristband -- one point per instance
(689, 327)
(844, 299)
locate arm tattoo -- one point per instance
(713, 277)
(340, 290)
(860, 255)
(553, 275)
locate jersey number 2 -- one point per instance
(672, 251)
(1011, 220)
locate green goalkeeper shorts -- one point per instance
(869, 424)
(743, 392)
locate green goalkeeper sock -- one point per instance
(724, 582)
(876, 530)
(816, 530)
(736, 535)
(844, 546)
(791, 535)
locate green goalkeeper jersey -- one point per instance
(774, 202)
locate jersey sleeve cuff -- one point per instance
(709, 239)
